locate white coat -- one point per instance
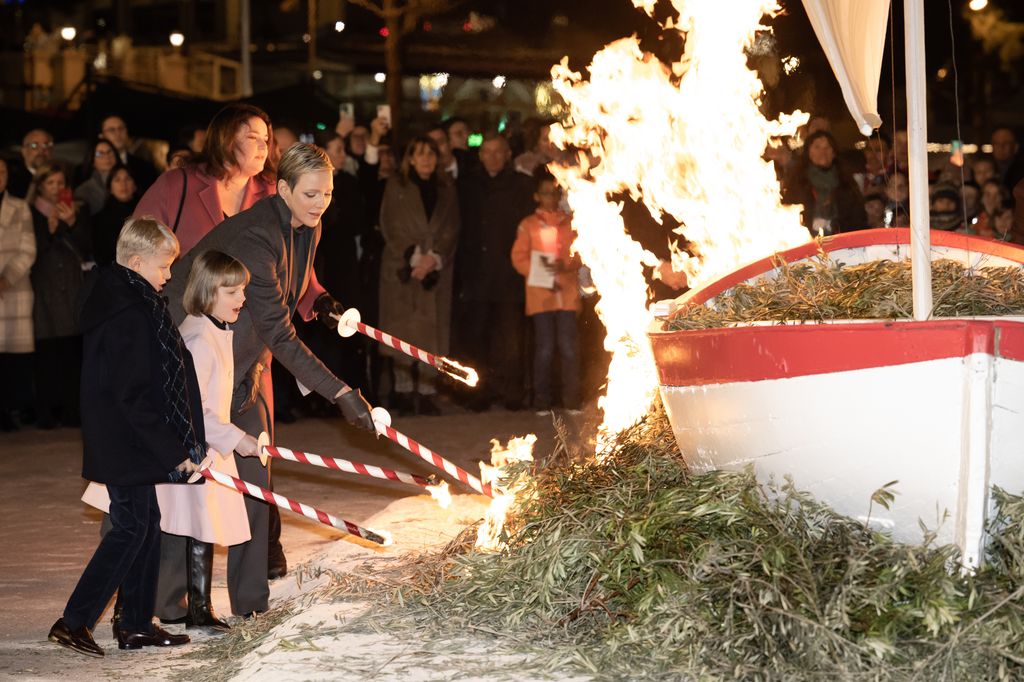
(209, 512)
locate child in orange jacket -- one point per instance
(542, 254)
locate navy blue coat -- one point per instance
(126, 437)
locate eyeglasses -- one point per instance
(115, 129)
(39, 145)
(103, 152)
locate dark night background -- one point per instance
(529, 35)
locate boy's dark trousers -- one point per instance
(551, 330)
(128, 556)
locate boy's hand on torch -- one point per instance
(187, 467)
(355, 409)
(326, 305)
(247, 447)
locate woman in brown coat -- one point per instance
(419, 220)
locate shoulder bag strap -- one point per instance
(181, 202)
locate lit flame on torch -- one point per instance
(458, 371)
(687, 140)
(519, 449)
(388, 539)
(441, 494)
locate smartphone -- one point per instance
(346, 110)
(956, 153)
(384, 112)
(65, 197)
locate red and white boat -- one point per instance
(844, 407)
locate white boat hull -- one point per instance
(844, 408)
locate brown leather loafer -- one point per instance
(126, 639)
(79, 640)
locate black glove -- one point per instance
(324, 306)
(356, 410)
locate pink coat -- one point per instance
(209, 512)
(201, 211)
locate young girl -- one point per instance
(541, 254)
(204, 515)
(192, 518)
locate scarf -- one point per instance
(824, 182)
(172, 364)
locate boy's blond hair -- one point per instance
(211, 270)
(145, 236)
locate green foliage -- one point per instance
(636, 567)
(822, 289)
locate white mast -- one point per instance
(917, 139)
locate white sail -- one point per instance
(852, 33)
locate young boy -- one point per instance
(142, 423)
(541, 254)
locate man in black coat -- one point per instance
(114, 129)
(36, 152)
(489, 322)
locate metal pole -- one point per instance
(244, 40)
(917, 136)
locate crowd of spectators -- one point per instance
(433, 242)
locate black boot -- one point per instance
(115, 620)
(200, 579)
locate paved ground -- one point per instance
(47, 534)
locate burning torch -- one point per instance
(350, 322)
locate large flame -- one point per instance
(688, 140)
(519, 449)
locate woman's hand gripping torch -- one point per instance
(350, 322)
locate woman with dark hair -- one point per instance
(62, 243)
(106, 225)
(419, 220)
(236, 169)
(830, 196)
(100, 160)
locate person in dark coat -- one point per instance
(63, 240)
(276, 241)
(36, 152)
(489, 323)
(347, 236)
(107, 224)
(830, 196)
(115, 129)
(142, 424)
(419, 220)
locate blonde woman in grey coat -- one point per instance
(17, 254)
(419, 220)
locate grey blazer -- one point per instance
(256, 237)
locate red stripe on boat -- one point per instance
(717, 356)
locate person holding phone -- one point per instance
(63, 240)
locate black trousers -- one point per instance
(58, 371)
(128, 557)
(491, 336)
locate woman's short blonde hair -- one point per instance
(300, 159)
(145, 236)
(210, 271)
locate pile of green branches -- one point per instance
(636, 567)
(823, 289)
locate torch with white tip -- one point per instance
(382, 420)
(350, 322)
(246, 488)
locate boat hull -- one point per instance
(844, 408)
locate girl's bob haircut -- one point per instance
(211, 270)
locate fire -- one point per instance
(519, 449)
(441, 494)
(687, 140)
